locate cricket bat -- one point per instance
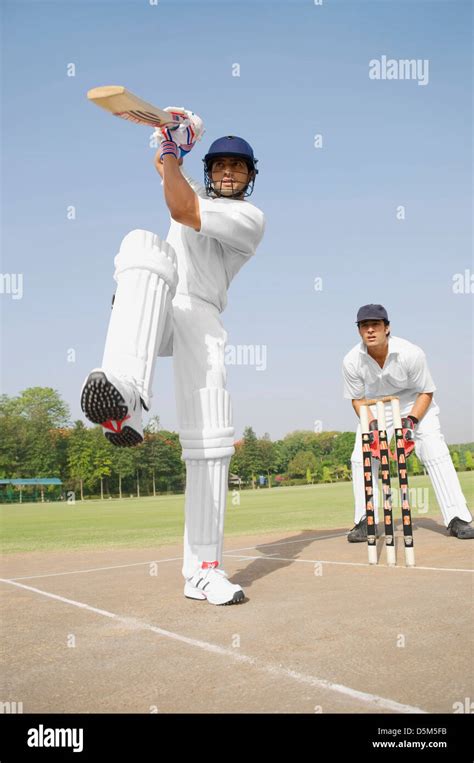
(124, 104)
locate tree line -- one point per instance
(38, 440)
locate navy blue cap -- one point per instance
(372, 313)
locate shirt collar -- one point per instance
(393, 346)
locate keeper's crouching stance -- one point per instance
(168, 301)
(382, 365)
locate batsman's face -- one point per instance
(373, 333)
(229, 175)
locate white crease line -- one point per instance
(312, 561)
(289, 542)
(439, 569)
(349, 564)
(232, 554)
(273, 670)
(97, 569)
(156, 561)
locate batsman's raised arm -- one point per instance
(180, 198)
(176, 142)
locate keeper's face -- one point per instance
(229, 175)
(373, 333)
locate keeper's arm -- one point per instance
(356, 404)
(421, 405)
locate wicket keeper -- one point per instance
(382, 365)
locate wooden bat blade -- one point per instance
(124, 104)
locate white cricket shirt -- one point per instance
(405, 372)
(209, 259)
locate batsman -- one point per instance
(382, 365)
(168, 301)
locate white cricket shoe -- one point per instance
(212, 584)
(116, 405)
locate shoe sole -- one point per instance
(236, 599)
(360, 540)
(101, 401)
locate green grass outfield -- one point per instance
(140, 522)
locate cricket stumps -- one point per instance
(386, 481)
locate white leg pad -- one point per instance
(209, 432)
(435, 456)
(147, 277)
(205, 503)
(208, 445)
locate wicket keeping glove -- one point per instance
(374, 438)
(408, 427)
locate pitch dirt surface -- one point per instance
(95, 631)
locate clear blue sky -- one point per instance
(330, 212)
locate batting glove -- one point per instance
(168, 147)
(185, 133)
